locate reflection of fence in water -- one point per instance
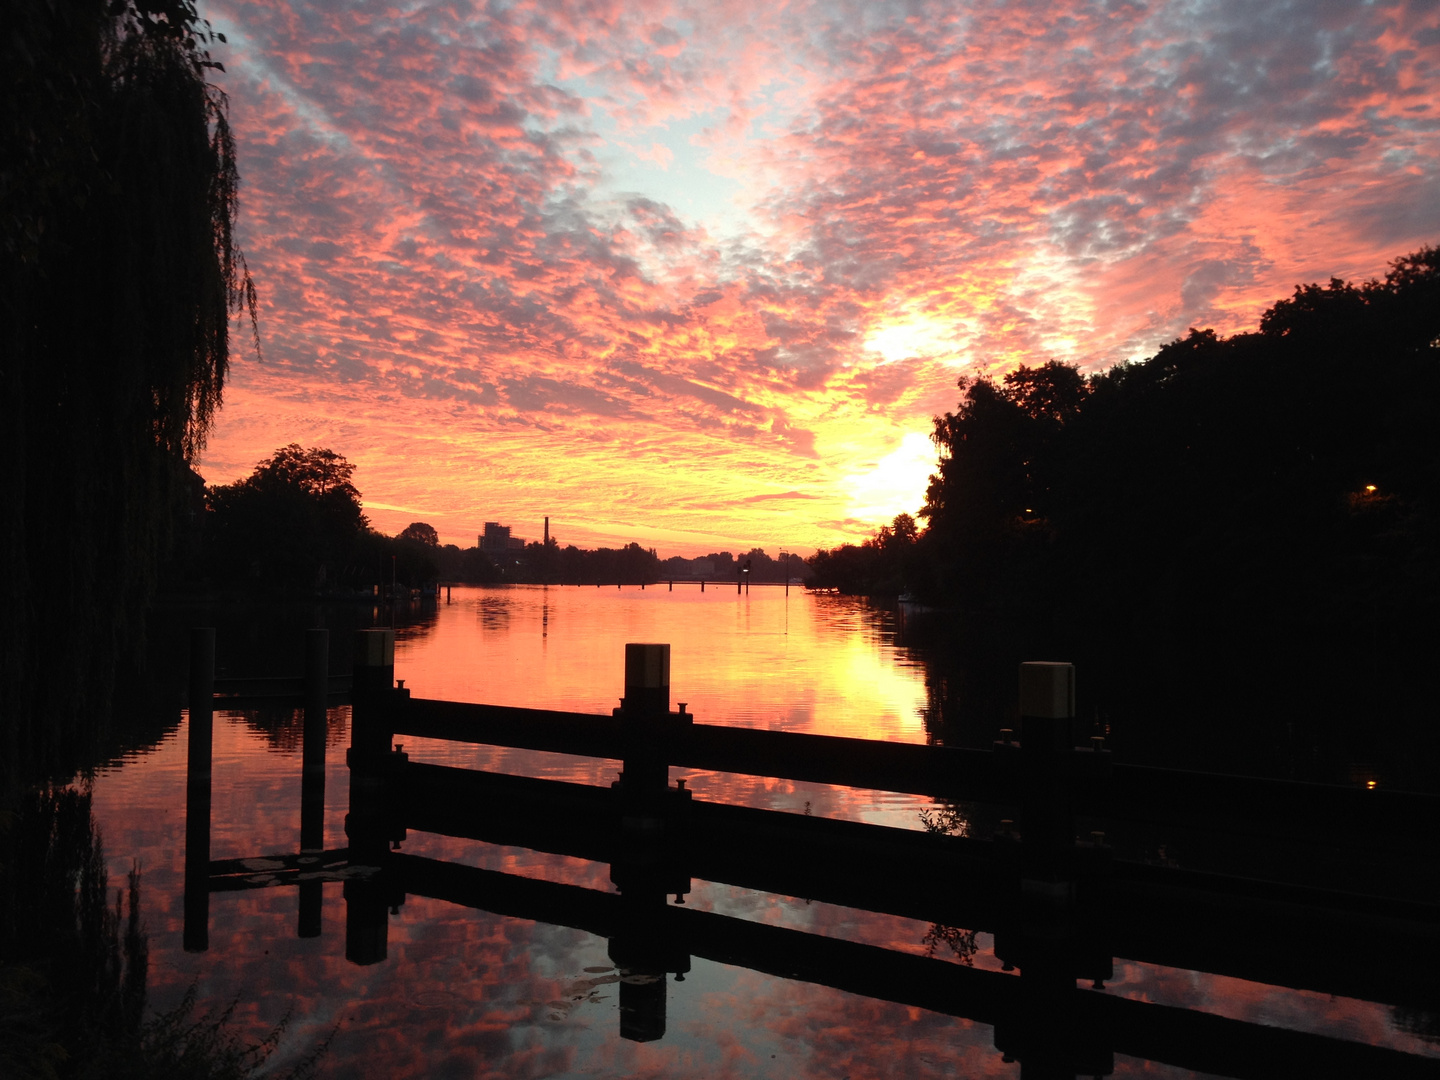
(1058, 908)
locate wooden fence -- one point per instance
(1046, 884)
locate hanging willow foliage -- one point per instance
(118, 199)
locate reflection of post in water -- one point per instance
(369, 822)
(312, 780)
(1053, 926)
(651, 822)
(200, 736)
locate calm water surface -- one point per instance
(465, 993)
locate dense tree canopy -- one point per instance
(421, 533)
(1241, 535)
(118, 280)
(294, 522)
(885, 565)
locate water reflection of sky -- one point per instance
(800, 663)
(467, 993)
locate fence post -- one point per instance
(1064, 882)
(317, 694)
(202, 702)
(373, 688)
(650, 814)
(645, 711)
(367, 922)
(312, 778)
(199, 752)
(1043, 916)
(369, 823)
(1047, 819)
(1048, 934)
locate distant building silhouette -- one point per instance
(496, 539)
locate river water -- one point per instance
(465, 993)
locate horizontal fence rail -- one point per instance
(1182, 1038)
(1059, 908)
(1262, 931)
(1130, 792)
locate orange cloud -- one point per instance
(465, 293)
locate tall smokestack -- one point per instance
(547, 530)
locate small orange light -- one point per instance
(1370, 784)
(1369, 489)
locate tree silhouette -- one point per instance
(1235, 540)
(1200, 543)
(294, 522)
(885, 565)
(420, 533)
(118, 190)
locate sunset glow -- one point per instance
(700, 276)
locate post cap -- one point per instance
(375, 648)
(1047, 689)
(647, 666)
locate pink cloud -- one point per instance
(445, 281)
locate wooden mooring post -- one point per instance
(317, 689)
(372, 761)
(312, 779)
(646, 869)
(1053, 929)
(199, 753)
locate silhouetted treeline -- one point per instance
(884, 565)
(1236, 540)
(636, 565)
(118, 278)
(295, 527)
(553, 565)
(754, 565)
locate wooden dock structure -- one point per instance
(1362, 865)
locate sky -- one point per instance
(700, 276)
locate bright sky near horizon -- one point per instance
(700, 275)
